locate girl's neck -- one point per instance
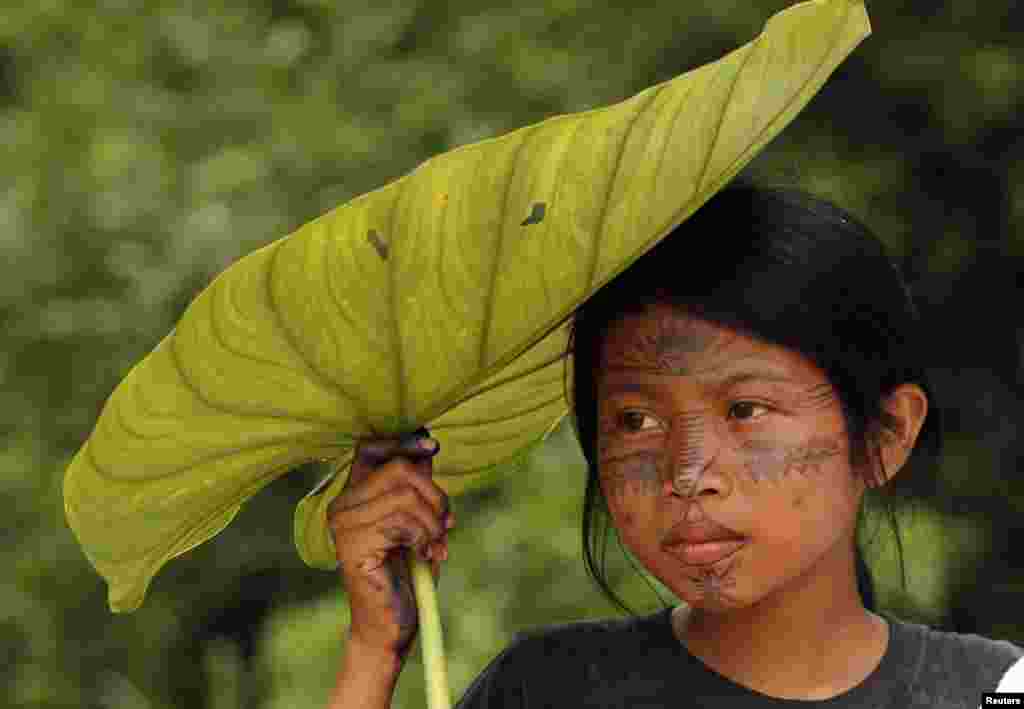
(784, 652)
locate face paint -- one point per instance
(676, 343)
(808, 459)
(819, 397)
(642, 470)
(669, 348)
(622, 472)
(690, 457)
(715, 581)
(774, 462)
(634, 472)
(767, 460)
(682, 376)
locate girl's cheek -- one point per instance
(792, 464)
(627, 518)
(619, 508)
(627, 480)
(765, 462)
(631, 474)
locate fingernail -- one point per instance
(411, 439)
(428, 444)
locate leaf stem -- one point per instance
(434, 664)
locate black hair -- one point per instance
(791, 269)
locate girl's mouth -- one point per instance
(704, 553)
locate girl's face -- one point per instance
(702, 428)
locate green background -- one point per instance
(145, 150)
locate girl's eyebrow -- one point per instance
(723, 379)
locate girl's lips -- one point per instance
(706, 553)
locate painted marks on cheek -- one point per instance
(642, 472)
(644, 469)
(776, 462)
(766, 461)
(809, 459)
(626, 475)
(631, 473)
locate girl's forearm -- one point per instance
(366, 679)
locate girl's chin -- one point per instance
(714, 587)
(713, 604)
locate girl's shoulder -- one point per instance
(945, 664)
(949, 648)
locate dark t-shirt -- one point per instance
(639, 663)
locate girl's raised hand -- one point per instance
(390, 507)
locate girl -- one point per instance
(736, 392)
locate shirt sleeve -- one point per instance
(501, 684)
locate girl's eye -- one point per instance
(746, 406)
(632, 421)
(635, 416)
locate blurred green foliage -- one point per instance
(148, 146)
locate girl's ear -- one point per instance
(907, 407)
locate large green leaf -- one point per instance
(438, 300)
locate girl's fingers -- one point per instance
(438, 555)
(407, 499)
(409, 465)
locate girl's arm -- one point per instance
(366, 680)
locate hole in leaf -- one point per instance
(374, 238)
(536, 216)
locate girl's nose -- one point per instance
(693, 471)
(705, 482)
